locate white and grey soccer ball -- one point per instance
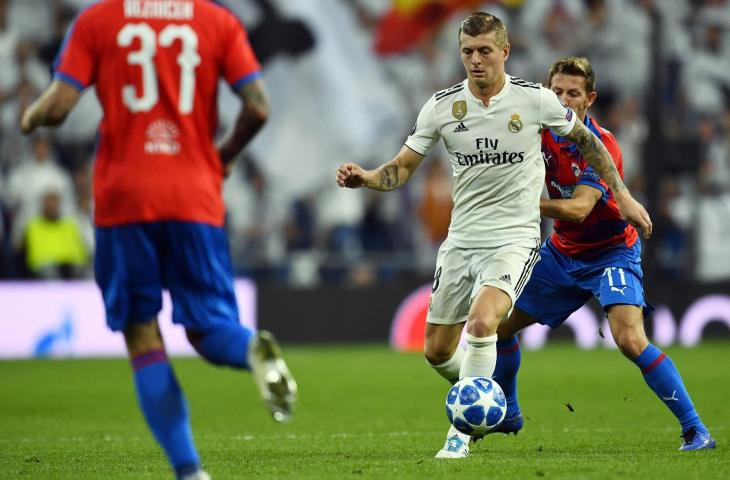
(476, 405)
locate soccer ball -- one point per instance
(476, 405)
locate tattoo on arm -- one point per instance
(389, 177)
(597, 156)
(254, 96)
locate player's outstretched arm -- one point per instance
(386, 177)
(598, 157)
(51, 108)
(574, 209)
(253, 116)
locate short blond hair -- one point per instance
(478, 23)
(578, 66)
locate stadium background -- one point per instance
(332, 271)
(346, 80)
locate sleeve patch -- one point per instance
(590, 175)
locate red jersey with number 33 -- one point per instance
(156, 65)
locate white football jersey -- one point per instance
(496, 157)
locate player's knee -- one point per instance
(437, 356)
(482, 324)
(194, 337)
(142, 338)
(631, 342)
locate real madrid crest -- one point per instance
(458, 109)
(515, 124)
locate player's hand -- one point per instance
(634, 212)
(26, 123)
(350, 175)
(227, 168)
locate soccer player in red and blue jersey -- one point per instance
(158, 176)
(593, 252)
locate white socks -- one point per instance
(451, 367)
(480, 358)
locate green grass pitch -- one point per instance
(365, 412)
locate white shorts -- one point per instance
(462, 272)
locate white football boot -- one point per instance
(456, 446)
(199, 475)
(275, 382)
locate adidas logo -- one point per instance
(506, 279)
(461, 128)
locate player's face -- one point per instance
(483, 59)
(571, 89)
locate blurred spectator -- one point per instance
(10, 71)
(551, 29)
(255, 222)
(376, 234)
(62, 19)
(300, 225)
(632, 20)
(339, 215)
(53, 244)
(33, 19)
(715, 170)
(12, 143)
(289, 224)
(5, 255)
(628, 124)
(37, 174)
(670, 236)
(82, 212)
(76, 137)
(706, 74)
(712, 262)
(436, 203)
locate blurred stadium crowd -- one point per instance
(346, 81)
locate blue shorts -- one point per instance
(134, 262)
(560, 285)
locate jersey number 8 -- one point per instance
(188, 60)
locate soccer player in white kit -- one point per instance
(491, 126)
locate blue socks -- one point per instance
(165, 410)
(505, 374)
(663, 377)
(162, 401)
(226, 344)
(659, 372)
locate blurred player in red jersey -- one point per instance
(157, 189)
(594, 252)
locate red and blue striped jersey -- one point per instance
(565, 169)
